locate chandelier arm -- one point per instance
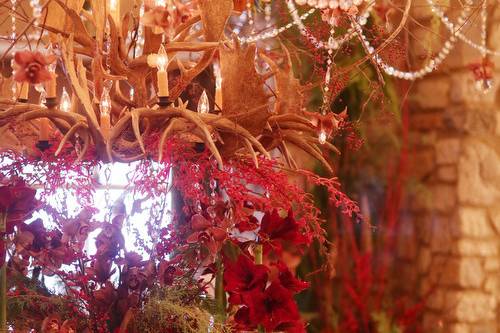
(116, 50)
(187, 25)
(308, 148)
(72, 131)
(229, 126)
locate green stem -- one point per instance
(258, 254)
(220, 295)
(3, 298)
(3, 279)
(257, 251)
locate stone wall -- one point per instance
(449, 244)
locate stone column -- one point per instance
(449, 244)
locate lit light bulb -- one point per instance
(203, 104)
(322, 137)
(162, 59)
(65, 104)
(113, 4)
(105, 103)
(43, 98)
(160, 3)
(132, 94)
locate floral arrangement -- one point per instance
(102, 88)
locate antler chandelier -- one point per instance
(106, 101)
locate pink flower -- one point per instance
(32, 67)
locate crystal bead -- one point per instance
(322, 137)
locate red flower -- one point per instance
(167, 18)
(328, 123)
(167, 273)
(273, 308)
(277, 230)
(248, 224)
(206, 233)
(32, 67)
(243, 276)
(482, 69)
(289, 281)
(18, 201)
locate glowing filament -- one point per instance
(162, 59)
(65, 104)
(322, 137)
(105, 103)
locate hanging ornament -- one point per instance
(267, 12)
(322, 136)
(483, 75)
(250, 13)
(203, 103)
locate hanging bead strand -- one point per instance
(250, 14)
(332, 44)
(268, 8)
(13, 36)
(37, 11)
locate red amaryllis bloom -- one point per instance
(276, 231)
(273, 308)
(243, 276)
(32, 67)
(18, 202)
(249, 224)
(289, 281)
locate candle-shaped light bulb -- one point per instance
(203, 103)
(218, 86)
(65, 104)
(43, 97)
(322, 137)
(132, 94)
(44, 132)
(105, 107)
(105, 103)
(162, 59)
(162, 75)
(51, 85)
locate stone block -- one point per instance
(444, 198)
(474, 223)
(424, 260)
(475, 306)
(431, 93)
(478, 174)
(476, 247)
(422, 163)
(492, 264)
(471, 274)
(448, 151)
(447, 173)
(426, 121)
(490, 327)
(494, 215)
(459, 328)
(492, 285)
(443, 233)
